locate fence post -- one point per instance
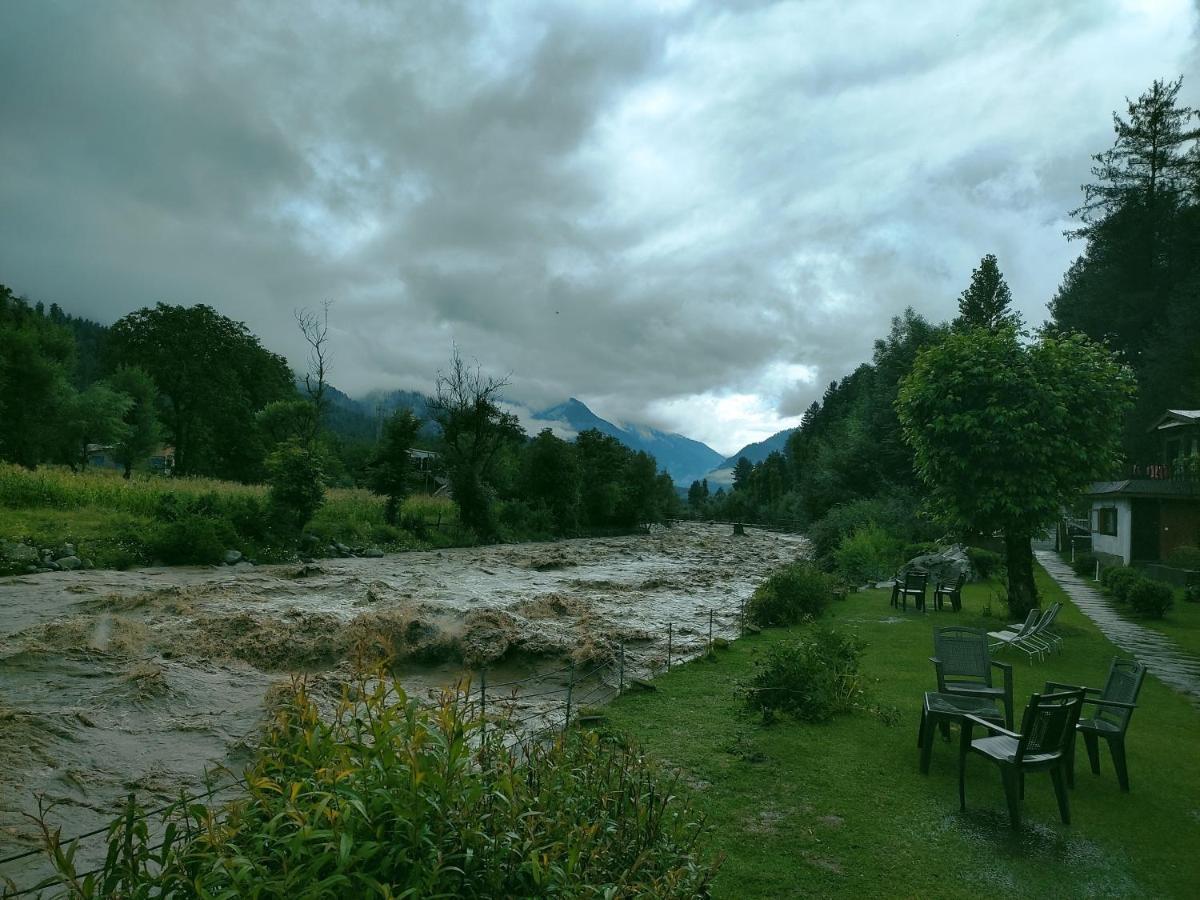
(1097, 578)
(742, 617)
(621, 670)
(710, 617)
(670, 630)
(570, 691)
(483, 710)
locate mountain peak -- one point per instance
(683, 458)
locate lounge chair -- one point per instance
(1020, 638)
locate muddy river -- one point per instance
(119, 682)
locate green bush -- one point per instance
(813, 678)
(1185, 558)
(1151, 598)
(193, 540)
(390, 798)
(1191, 593)
(921, 548)
(986, 563)
(1084, 565)
(791, 594)
(1118, 580)
(869, 554)
(297, 485)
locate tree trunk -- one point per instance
(1022, 594)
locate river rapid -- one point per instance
(140, 681)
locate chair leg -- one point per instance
(1093, 751)
(1021, 782)
(1117, 745)
(1060, 791)
(921, 730)
(1070, 763)
(1012, 793)
(927, 748)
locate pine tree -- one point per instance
(985, 304)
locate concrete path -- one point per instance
(1162, 657)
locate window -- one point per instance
(1106, 520)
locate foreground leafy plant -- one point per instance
(389, 798)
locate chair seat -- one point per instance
(1004, 635)
(972, 687)
(1099, 725)
(1004, 748)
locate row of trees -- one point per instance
(986, 427)
(231, 409)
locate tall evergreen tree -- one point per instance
(985, 303)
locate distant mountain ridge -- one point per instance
(684, 459)
(759, 450)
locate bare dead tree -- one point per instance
(314, 325)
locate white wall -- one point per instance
(1120, 544)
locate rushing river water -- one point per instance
(120, 682)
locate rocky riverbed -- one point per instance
(119, 682)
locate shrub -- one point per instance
(1191, 593)
(790, 595)
(1084, 565)
(297, 488)
(921, 548)
(1185, 558)
(813, 678)
(1118, 580)
(193, 539)
(986, 563)
(1151, 598)
(869, 554)
(390, 798)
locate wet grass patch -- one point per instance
(773, 791)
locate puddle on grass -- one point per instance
(112, 682)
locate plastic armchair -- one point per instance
(1114, 706)
(964, 665)
(951, 591)
(912, 585)
(1043, 744)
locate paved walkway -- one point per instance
(1160, 654)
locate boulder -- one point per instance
(69, 563)
(372, 553)
(341, 548)
(232, 557)
(18, 552)
(945, 565)
(49, 565)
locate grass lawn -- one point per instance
(841, 809)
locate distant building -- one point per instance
(1145, 517)
(160, 462)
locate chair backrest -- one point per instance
(963, 652)
(915, 580)
(1048, 726)
(1031, 623)
(1123, 685)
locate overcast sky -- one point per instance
(693, 215)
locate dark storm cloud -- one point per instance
(689, 214)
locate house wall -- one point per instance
(1115, 547)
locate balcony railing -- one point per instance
(1186, 468)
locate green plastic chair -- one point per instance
(1114, 708)
(1043, 744)
(912, 585)
(964, 665)
(950, 590)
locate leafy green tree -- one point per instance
(36, 358)
(985, 303)
(696, 496)
(142, 434)
(389, 473)
(1006, 434)
(474, 428)
(550, 478)
(92, 416)
(285, 420)
(213, 375)
(601, 458)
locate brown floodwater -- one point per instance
(140, 681)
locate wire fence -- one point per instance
(503, 727)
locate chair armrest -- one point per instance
(991, 726)
(1007, 670)
(1117, 703)
(941, 676)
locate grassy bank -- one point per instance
(118, 523)
(841, 810)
